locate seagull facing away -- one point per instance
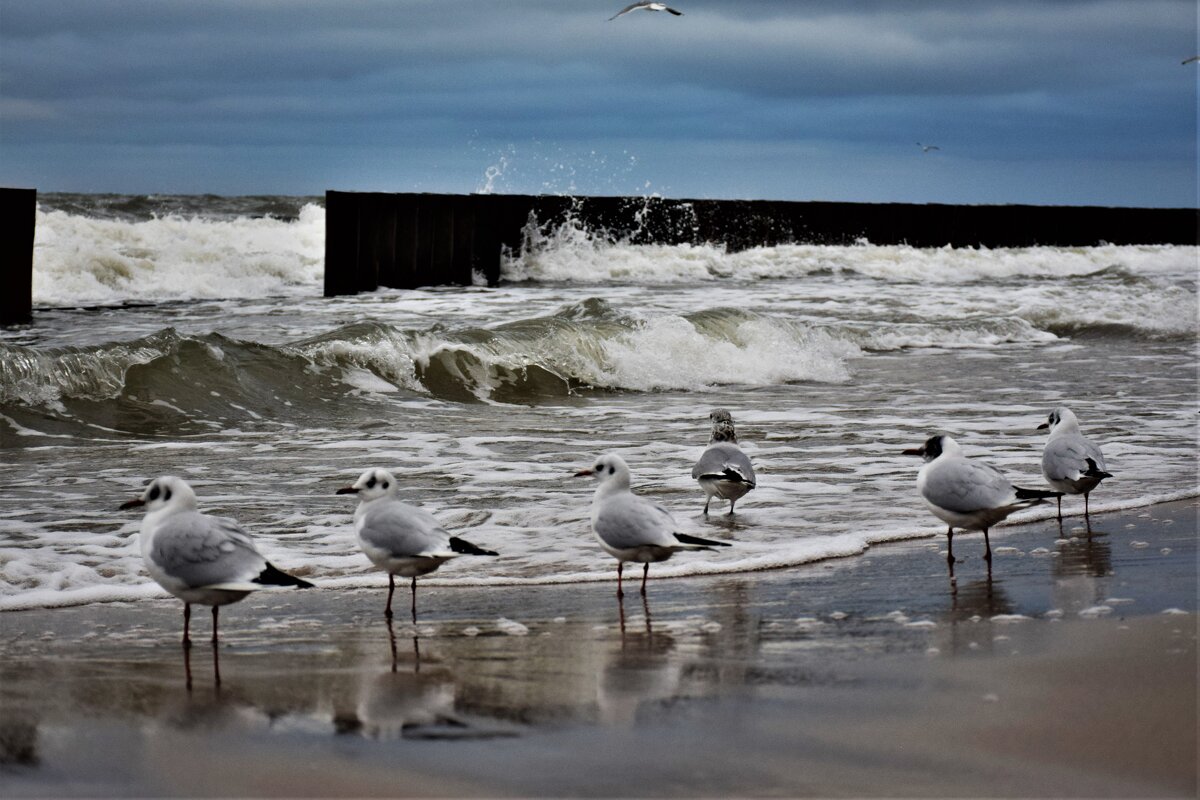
(1070, 462)
(723, 470)
(399, 538)
(645, 5)
(967, 494)
(925, 148)
(631, 528)
(197, 557)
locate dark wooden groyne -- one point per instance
(408, 240)
(18, 210)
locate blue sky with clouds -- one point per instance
(1032, 101)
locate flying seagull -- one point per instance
(925, 148)
(1185, 61)
(646, 5)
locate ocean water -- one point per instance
(187, 336)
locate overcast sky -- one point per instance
(1038, 101)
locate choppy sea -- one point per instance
(188, 336)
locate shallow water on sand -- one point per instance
(483, 401)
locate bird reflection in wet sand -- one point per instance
(640, 674)
(187, 667)
(416, 645)
(645, 614)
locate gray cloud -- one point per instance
(999, 84)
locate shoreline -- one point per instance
(371, 579)
(1069, 673)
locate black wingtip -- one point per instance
(466, 548)
(1094, 471)
(271, 576)
(688, 539)
(1035, 494)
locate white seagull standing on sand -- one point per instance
(723, 470)
(631, 528)
(646, 5)
(967, 494)
(1070, 462)
(399, 538)
(197, 557)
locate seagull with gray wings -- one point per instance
(197, 557)
(631, 528)
(1070, 462)
(967, 494)
(723, 470)
(399, 538)
(645, 5)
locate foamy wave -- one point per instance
(573, 254)
(80, 260)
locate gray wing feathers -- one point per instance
(1065, 457)
(966, 486)
(631, 521)
(202, 550)
(403, 530)
(722, 456)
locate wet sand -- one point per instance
(1071, 672)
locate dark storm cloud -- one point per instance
(1072, 80)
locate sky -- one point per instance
(1078, 102)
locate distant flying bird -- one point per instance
(925, 148)
(645, 5)
(1185, 61)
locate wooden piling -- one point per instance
(18, 210)
(412, 240)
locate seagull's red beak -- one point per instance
(913, 451)
(583, 473)
(1043, 426)
(134, 503)
(347, 490)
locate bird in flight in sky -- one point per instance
(925, 148)
(646, 5)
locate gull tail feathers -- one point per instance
(1036, 495)
(1094, 471)
(729, 474)
(466, 548)
(270, 576)
(699, 542)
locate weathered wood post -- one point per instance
(18, 209)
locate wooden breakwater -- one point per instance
(408, 240)
(18, 210)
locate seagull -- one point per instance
(631, 528)
(1070, 462)
(197, 557)
(646, 5)
(967, 494)
(1191, 60)
(399, 538)
(925, 148)
(723, 470)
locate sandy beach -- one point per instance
(1070, 673)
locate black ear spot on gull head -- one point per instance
(166, 495)
(383, 485)
(933, 447)
(611, 469)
